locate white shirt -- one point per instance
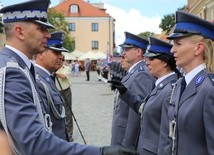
(130, 69)
(193, 73)
(22, 56)
(162, 78)
(43, 69)
(65, 83)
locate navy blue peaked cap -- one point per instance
(157, 47)
(33, 10)
(134, 41)
(188, 24)
(56, 42)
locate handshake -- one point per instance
(118, 85)
(117, 150)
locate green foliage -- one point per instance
(69, 43)
(181, 8)
(1, 25)
(146, 34)
(58, 20)
(167, 22)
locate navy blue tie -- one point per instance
(32, 71)
(183, 86)
(53, 77)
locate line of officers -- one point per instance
(32, 116)
(157, 110)
(164, 93)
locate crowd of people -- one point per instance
(158, 110)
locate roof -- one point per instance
(85, 9)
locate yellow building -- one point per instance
(201, 8)
(90, 26)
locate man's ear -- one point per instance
(18, 31)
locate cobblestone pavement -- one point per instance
(92, 106)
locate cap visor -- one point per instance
(126, 45)
(177, 35)
(48, 25)
(62, 49)
(150, 54)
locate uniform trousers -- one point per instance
(67, 95)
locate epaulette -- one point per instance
(211, 76)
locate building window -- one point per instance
(95, 45)
(74, 8)
(94, 26)
(71, 26)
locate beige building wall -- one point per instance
(2, 40)
(201, 8)
(84, 35)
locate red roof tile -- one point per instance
(85, 9)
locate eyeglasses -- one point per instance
(152, 58)
(128, 48)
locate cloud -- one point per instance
(132, 21)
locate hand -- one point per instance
(114, 78)
(117, 150)
(117, 84)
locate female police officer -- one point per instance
(191, 113)
(161, 65)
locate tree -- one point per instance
(1, 25)
(58, 20)
(146, 34)
(167, 22)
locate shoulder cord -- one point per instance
(36, 101)
(142, 106)
(173, 122)
(50, 102)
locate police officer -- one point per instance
(191, 109)
(22, 114)
(47, 63)
(161, 65)
(126, 123)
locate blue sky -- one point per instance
(135, 16)
(146, 7)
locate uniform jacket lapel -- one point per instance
(23, 65)
(163, 83)
(46, 78)
(18, 59)
(139, 66)
(10, 53)
(191, 88)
